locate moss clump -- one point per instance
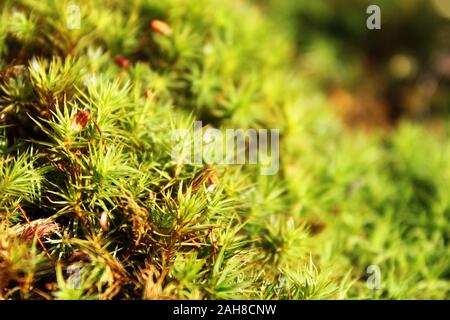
(93, 205)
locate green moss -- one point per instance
(87, 117)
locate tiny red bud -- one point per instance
(80, 120)
(213, 179)
(148, 94)
(50, 286)
(122, 62)
(161, 27)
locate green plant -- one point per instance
(88, 181)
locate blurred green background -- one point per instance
(373, 77)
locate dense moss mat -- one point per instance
(94, 206)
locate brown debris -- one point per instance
(41, 227)
(80, 120)
(79, 256)
(122, 62)
(161, 27)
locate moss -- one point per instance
(93, 205)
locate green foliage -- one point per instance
(87, 181)
(19, 180)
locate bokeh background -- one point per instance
(373, 77)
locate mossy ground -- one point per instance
(87, 181)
